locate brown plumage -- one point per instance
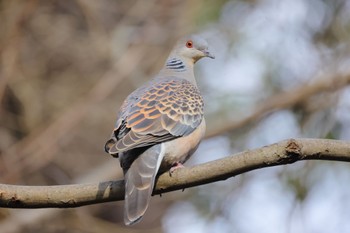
(159, 125)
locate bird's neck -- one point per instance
(175, 66)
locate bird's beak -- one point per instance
(208, 54)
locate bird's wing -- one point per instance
(165, 109)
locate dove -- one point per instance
(159, 125)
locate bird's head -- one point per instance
(193, 47)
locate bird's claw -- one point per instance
(175, 166)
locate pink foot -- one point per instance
(175, 166)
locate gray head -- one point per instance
(192, 47)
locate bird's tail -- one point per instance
(139, 183)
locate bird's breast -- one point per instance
(180, 149)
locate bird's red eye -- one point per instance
(189, 44)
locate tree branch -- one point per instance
(284, 152)
(283, 100)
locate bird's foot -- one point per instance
(175, 166)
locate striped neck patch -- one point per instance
(175, 64)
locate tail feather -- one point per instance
(139, 183)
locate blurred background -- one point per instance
(281, 70)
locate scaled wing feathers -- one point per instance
(167, 108)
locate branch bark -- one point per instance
(284, 152)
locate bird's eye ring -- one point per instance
(189, 44)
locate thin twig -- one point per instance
(285, 100)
